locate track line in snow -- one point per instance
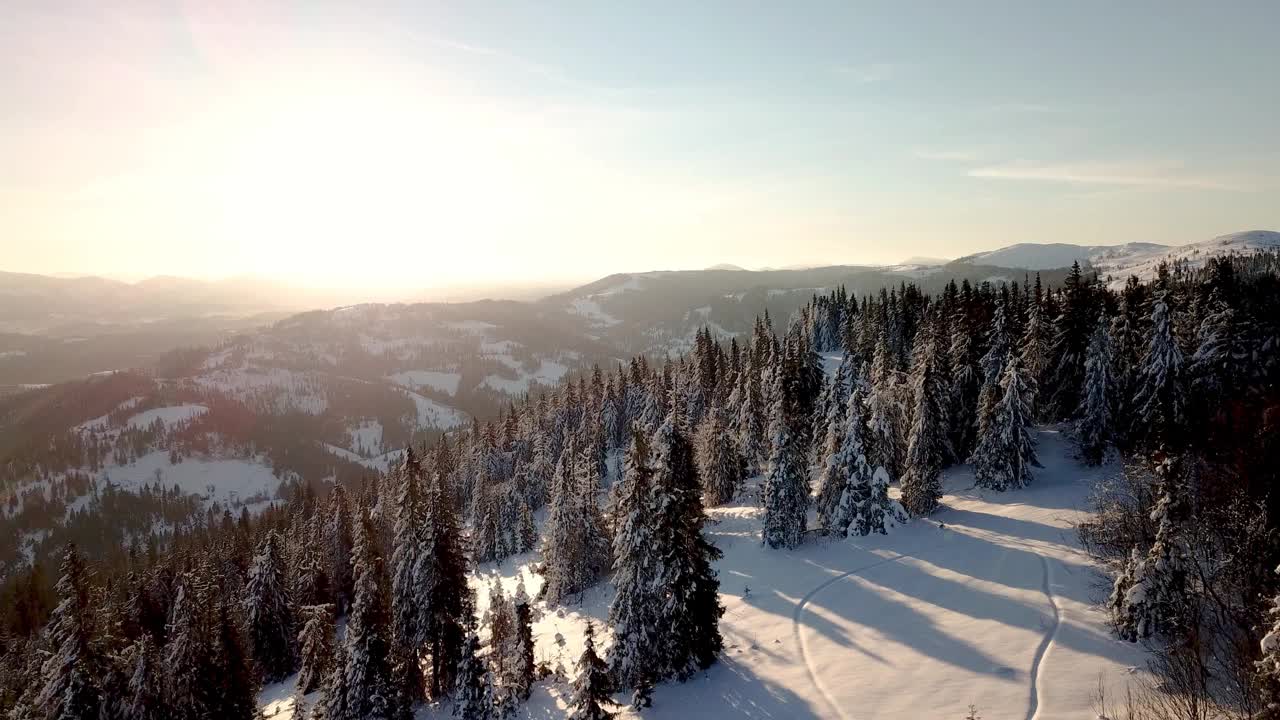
(795, 627)
(1033, 711)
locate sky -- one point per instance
(434, 143)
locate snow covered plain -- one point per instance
(989, 602)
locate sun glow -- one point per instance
(312, 177)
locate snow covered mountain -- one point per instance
(1118, 262)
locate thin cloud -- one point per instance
(1114, 174)
(513, 60)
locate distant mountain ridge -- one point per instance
(1118, 262)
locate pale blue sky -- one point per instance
(570, 139)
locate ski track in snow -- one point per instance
(796, 625)
(1042, 651)
(1033, 712)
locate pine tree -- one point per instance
(1160, 399)
(966, 379)
(68, 678)
(637, 599)
(1006, 451)
(1094, 430)
(410, 617)
(926, 445)
(885, 420)
(441, 584)
(523, 669)
(145, 699)
(993, 365)
(310, 578)
(1225, 358)
(317, 647)
(1036, 354)
(720, 465)
(691, 609)
(576, 550)
(475, 698)
(338, 541)
(188, 654)
(1148, 597)
(854, 499)
(1072, 331)
(786, 492)
(366, 675)
(591, 689)
(269, 614)
(233, 685)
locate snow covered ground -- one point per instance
(432, 414)
(445, 382)
(168, 416)
(989, 602)
(549, 373)
(223, 480)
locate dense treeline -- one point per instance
(1178, 375)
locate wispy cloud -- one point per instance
(868, 73)
(515, 61)
(1114, 174)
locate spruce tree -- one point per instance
(993, 365)
(854, 499)
(145, 697)
(691, 609)
(926, 445)
(269, 614)
(475, 697)
(410, 617)
(188, 653)
(592, 690)
(719, 462)
(338, 541)
(885, 420)
(1095, 428)
(234, 687)
(316, 643)
(576, 550)
(1160, 396)
(68, 679)
(1225, 359)
(366, 675)
(637, 598)
(523, 669)
(1036, 355)
(441, 585)
(786, 492)
(1149, 596)
(1006, 451)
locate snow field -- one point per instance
(445, 382)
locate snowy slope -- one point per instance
(990, 601)
(1120, 261)
(1046, 256)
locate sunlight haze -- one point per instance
(414, 144)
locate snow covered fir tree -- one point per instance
(375, 597)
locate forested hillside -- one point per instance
(837, 422)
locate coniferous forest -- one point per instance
(843, 417)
